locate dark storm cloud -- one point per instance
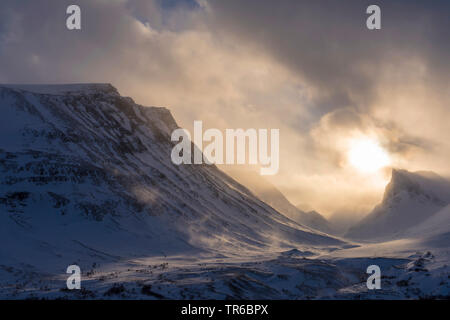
(328, 43)
(324, 41)
(35, 45)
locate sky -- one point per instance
(310, 68)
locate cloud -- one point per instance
(392, 84)
(328, 43)
(310, 68)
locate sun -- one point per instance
(367, 155)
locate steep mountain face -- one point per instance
(435, 231)
(316, 221)
(85, 174)
(409, 200)
(267, 192)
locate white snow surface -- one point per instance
(409, 200)
(86, 179)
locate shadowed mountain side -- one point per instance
(409, 199)
(267, 192)
(87, 173)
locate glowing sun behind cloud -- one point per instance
(367, 155)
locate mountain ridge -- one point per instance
(409, 199)
(96, 161)
(86, 179)
(267, 192)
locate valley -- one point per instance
(86, 179)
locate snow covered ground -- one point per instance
(86, 179)
(406, 274)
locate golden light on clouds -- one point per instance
(348, 107)
(367, 156)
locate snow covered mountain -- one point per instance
(409, 200)
(267, 192)
(316, 221)
(86, 179)
(434, 231)
(86, 174)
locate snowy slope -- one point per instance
(267, 192)
(435, 231)
(316, 221)
(409, 200)
(86, 179)
(86, 176)
(422, 269)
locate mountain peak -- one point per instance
(409, 199)
(416, 183)
(73, 153)
(402, 180)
